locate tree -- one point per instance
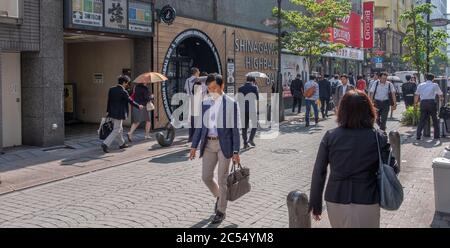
(310, 29)
(420, 48)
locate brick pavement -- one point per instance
(167, 191)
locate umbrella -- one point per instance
(257, 74)
(150, 77)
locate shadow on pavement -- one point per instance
(180, 156)
(204, 223)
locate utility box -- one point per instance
(441, 173)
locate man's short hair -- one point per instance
(214, 77)
(383, 74)
(251, 79)
(408, 77)
(123, 79)
(344, 76)
(312, 77)
(430, 77)
(194, 70)
(299, 76)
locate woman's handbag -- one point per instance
(106, 127)
(238, 182)
(150, 106)
(389, 186)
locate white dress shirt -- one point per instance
(214, 112)
(428, 91)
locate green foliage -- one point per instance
(411, 116)
(416, 38)
(310, 29)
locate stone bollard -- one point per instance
(166, 140)
(298, 204)
(394, 140)
(441, 176)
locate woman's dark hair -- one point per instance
(203, 74)
(194, 70)
(430, 77)
(356, 110)
(214, 77)
(251, 79)
(360, 77)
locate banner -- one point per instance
(116, 14)
(291, 66)
(87, 12)
(349, 31)
(368, 30)
(140, 17)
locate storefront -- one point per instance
(102, 40)
(291, 66)
(347, 60)
(230, 51)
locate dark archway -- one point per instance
(191, 48)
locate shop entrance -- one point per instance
(192, 49)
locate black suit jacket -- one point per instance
(324, 88)
(353, 158)
(118, 100)
(297, 88)
(246, 89)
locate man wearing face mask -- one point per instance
(219, 141)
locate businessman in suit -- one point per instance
(219, 141)
(251, 110)
(342, 89)
(117, 110)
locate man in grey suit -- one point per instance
(341, 90)
(219, 141)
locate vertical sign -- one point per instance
(230, 70)
(116, 14)
(87, 12)
(140, 17)
(368, 19)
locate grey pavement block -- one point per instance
(11, 157)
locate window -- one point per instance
(10, 10)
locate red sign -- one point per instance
(349, 31)
(368, 30)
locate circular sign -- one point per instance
(168, 14)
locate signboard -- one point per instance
(379, 65)
(87, 12)
(140, 17)
(230, 71)
(291, 65)
(377, 60)
(347, 53)
(368, 25)
(168, 14)
(68, 98)
(98, 78)
(230, 89)
(349, 32)
(116, 14)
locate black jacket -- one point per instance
(297, 88)
(409, 88)
(324, 88)
(142, 94)
(246, 89)
(353, 158)
(118, 100)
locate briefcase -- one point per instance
(106, 127)
(238, 182)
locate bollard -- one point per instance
(394, 140)
(298, 208)
(166, 140)
(441, 176)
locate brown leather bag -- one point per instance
(309, 92)
(238, 182)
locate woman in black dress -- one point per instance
(142, 96)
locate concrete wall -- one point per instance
(43, 80)
(24, 37)
(85, 59)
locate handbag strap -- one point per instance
(378, 149)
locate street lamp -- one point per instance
(279, 76)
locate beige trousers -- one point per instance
(116, 134)
(211, 157)
(353, 215)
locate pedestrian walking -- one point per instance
(142, 96)
(351, 79)
(426, 93)
(361, 84)
(311, 97)
(324, 95)
(218, 140)
(188, 89)
(297, 93)
(117, 110)
(250, 93)
(352, 195)
(409, 90)
(342, 90)
(383, 95)
(374, 78)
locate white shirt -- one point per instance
(344, 89)
(428, 91)
(214, 112)
(382, 93)
(188, 85)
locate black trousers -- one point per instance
(428, 108)
(383, 112)
(325, 105)
(192, 129)
(297, 101)
(245, 130)
(409, 101)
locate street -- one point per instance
(167, 190)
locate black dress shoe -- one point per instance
(215, 206)
(252, 143)
(124, 146)
(105, 148)
(218, 218)
(246, 146)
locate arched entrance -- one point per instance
(192, 48)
